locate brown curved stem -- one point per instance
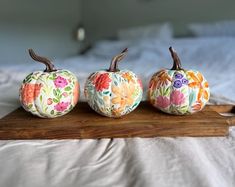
(176, 60)
(116, 59)
(44, 60)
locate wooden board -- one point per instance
(83, 122)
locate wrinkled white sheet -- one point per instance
(127, 162)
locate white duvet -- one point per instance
(127, 162)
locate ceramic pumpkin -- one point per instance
(113, 92)
(178, 91)
(50, 93)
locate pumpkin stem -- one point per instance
(116, 59)
(176, 60)
(44, 60)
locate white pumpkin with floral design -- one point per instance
(113, 92)
(178, 91)
(50, 93)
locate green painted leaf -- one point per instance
(67, 88)
(58, 91)
(134, 105)
(107, 92)
(55, 93)
(115, 83)
(30, 106)
(41, 98)
(167, 92)
(52, 112)
(28, 78)
(184, 90)
(161, 91)
(55, 100)
(184, 108)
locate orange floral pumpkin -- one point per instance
(113, 92)
(178, 91)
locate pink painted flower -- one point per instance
(177, 97)
(61, 106)
(162, 102)
(60, 82)
(49, 101)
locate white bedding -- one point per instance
(127, 162)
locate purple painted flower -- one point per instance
(178, 76)
(60, 82)
(184, 81)
(177, 84)
(60, 107)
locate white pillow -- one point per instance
(221, 28)
(162, 31)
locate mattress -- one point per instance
(126, 162)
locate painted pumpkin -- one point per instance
(113, 92)
(50, 93)
(178, 91)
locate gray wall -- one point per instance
(49, 25)
(46, 25)
(104, 17)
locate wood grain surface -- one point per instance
(83, 122)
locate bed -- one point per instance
(127, 162)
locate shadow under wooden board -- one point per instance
(145, 121)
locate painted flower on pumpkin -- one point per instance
(123, 95)
(177, 84)
(60, 107)
(162, 102)
(101, 81)
(30, 92)
(161, 79)
(199, 82)
(185, 81)
(177, 98)
(49, 101)
(178, 76)
(60, 82)
(76, 93)
(128, 77)
(65, 94)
